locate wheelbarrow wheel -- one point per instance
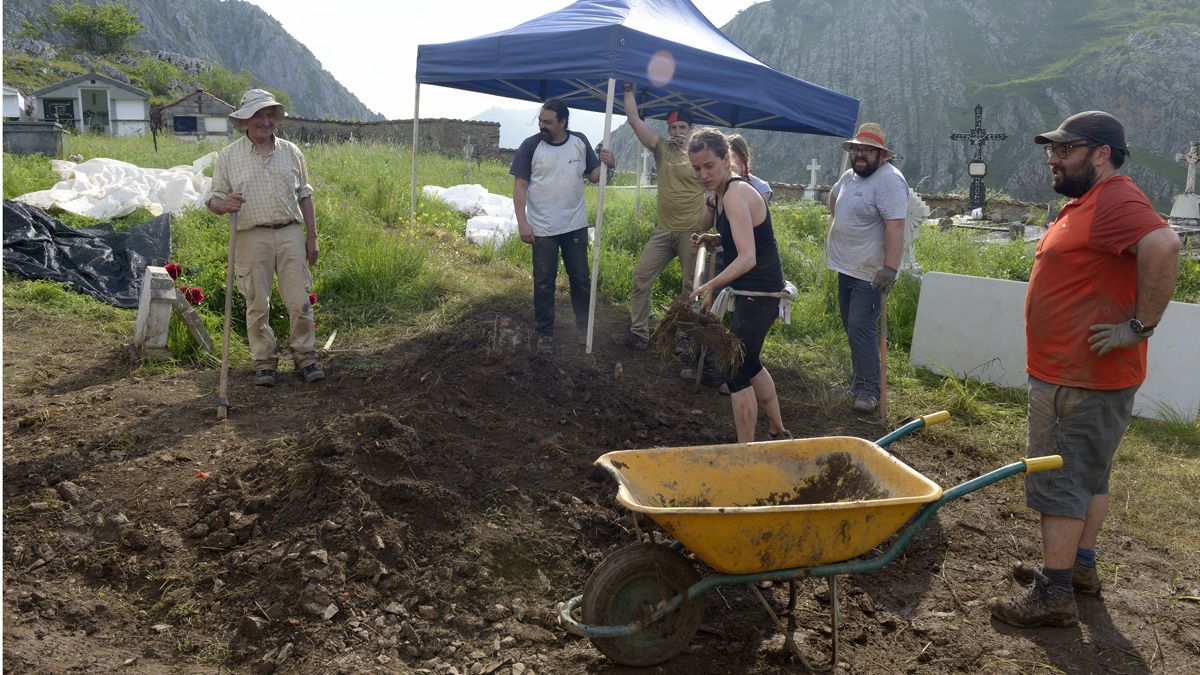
(626, 587)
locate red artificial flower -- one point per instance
(312, 298)
(173, 269)
(194, 295)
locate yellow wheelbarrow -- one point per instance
(771, 511)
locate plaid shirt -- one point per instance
(272, 187)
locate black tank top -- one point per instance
(767, 273)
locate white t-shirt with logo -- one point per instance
(855, 243)
(554, 202)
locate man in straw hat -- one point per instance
(869, 204)
(264, 180)
(1102, 277)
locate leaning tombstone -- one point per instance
(155, 304)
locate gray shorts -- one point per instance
(1085, 427)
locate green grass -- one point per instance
(380, 276)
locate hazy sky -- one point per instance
(370, 46)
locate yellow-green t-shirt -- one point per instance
(680, 195)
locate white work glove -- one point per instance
(884, 278)
(1109, 336)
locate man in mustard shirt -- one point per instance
(680, 198)
(264, 180)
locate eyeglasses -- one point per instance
(1063, 150)
(862, 150)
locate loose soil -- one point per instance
(430, 505)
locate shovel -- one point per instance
(222, 383)
(698, 279)
(883, 339)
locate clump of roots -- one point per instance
(702, 329)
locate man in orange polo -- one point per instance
(1103, 275)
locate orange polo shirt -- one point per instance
(1084, 274)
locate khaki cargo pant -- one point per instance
(662, 247)
(262, 254)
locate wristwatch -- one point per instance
(1139, 328)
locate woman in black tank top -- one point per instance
(752, 263)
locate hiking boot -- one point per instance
(628, 338)
(1042, 604)
(783, 435)
(312, 373)
(706, 379)
(1084, 578)
(545, 344)
(264, 378)
(865, 403)
(583, 337)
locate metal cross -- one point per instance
(978, 137)
(1192, 157)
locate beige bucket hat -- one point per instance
(253, 101)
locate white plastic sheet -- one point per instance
(492, 217)
(108, 188)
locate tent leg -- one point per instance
(608, 111)
(412, 205)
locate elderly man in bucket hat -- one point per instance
(869, 204)
(264, 180)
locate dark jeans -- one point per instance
(574, 247)
(860, 306)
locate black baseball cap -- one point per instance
(1094, 125)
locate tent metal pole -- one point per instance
(412, 205)
(608, 111)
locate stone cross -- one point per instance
(978, 137)
(468, 150)
(1192, 157)
(1185, 212)
(811, 191)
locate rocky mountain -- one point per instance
(919, 67)
(236, 35)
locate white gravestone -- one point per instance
(975, 327)
(810, 192)
(155, 304)
(1185, 212)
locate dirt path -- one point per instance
(430, 504)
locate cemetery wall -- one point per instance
(440, 135)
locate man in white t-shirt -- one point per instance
(548, 172)
(869, 204)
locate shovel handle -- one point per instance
(223, 382)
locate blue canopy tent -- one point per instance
(674, 55)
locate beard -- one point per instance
(870, 168)
(545, 134)
(1076, 185)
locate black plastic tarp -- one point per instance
(99, 261)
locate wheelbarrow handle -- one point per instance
(1046, 463)
(906, 429)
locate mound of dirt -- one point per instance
(430, 506)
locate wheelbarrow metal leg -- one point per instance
(789, 631)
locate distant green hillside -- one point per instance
(238, 36)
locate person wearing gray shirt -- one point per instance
(868, 206)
